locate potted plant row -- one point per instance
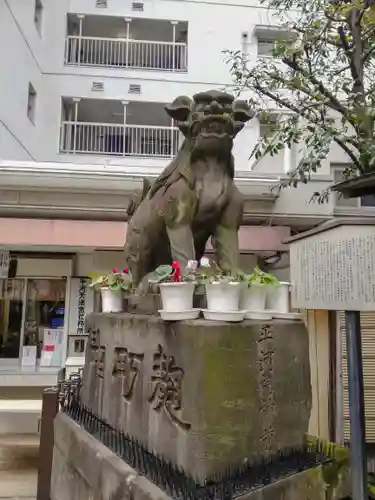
(230, 297)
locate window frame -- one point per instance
(38, 16)
(31, 103)
(337, 169)
(26, 280)
(263, 124)
(262, 41)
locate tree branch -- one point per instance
(366, 5)
(335, 104)
(369, 32)
(284, 103)
(350, 153)
(367, 54)
(348, 53)
(279, 100)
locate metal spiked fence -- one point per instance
(227, 485)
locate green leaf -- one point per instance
(161, 273)
(94, 275)
(163, 270)
(313, 81)
(115, 286)
(259, 277)
(112, 280)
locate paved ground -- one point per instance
(18, 485)
(18, 467)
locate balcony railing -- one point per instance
(118, 140)
(123, 53)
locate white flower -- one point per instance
(192, 265)
(205, 262)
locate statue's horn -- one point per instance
(242, 112)
(180, 108)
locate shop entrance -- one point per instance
(32, 312)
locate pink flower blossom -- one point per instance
(192, 265)
(176, 266)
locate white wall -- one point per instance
(39, 59)
(11, 147)
(20, 64)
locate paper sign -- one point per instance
(52, 347)
(28, 355)
(46, 358)
(4, 263)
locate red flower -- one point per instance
(176, 266)
(125, 271)
(115, 270)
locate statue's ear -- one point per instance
(180, 108)
(242, 112)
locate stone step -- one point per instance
(19, 452)
(20, 484)
(18, 466)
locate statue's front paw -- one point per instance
(146, 287)
(142, 288)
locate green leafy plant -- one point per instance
(174, 273)
(319, 80)
(259, 277)
(210, 272)
(162, 274)
(115, 280)
(371, 485)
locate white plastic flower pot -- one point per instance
(278, 298)
(177, 297)
(254, 297)
(223, 296)
(112, 300)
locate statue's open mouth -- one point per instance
(213, 126)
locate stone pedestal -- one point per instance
(205, 395)
(85, 469)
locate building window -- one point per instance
(38, 15)
(340, 201)
(265, 47)
(32, 315)
(268, 126)
(31, 103)
(11, 310)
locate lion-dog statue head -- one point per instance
(209, 122)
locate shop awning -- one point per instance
(31, 234)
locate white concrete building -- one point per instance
(82, 89)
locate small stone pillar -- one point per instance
(205, 395)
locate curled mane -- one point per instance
(180, 167)
(175, 170)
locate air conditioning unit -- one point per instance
(134, 88)
(97, 86)
(101, 4)
(137, 6)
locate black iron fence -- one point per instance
(173, 480)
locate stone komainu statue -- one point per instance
(195, 197)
